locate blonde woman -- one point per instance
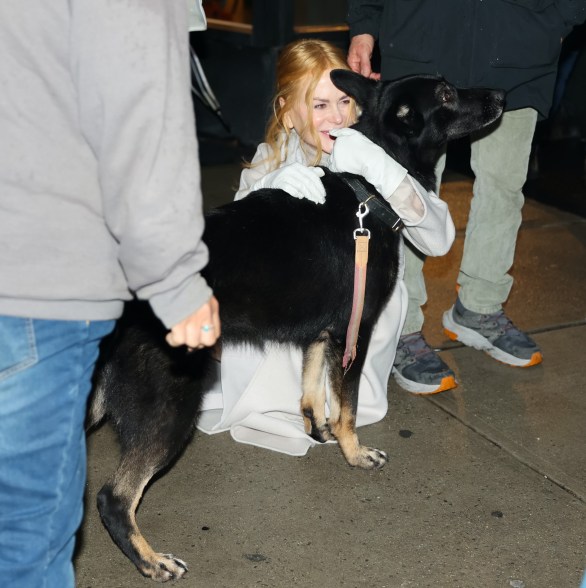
(257, 397)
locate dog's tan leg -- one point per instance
(368, 458)
(97, 408)
(313, 401)
(117, 503)
(344, 403)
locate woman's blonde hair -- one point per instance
(305, 59)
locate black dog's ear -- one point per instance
(355, 85)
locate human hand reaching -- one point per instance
(198, 330)
(359, 55)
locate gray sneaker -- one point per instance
(419, 369)
(493, 333)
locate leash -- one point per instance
(361, 240)
(360, 266)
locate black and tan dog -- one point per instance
(283, 270)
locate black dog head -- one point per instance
(414, 117)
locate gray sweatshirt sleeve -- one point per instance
(132, 75)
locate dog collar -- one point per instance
(383, 211)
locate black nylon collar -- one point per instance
(381, 210)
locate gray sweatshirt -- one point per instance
(99, 176)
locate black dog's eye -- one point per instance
(403, 110)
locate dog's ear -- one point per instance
(355, 85)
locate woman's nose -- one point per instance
(336, 116)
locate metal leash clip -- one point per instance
(362, 212)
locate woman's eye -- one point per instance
(319, 106)
(345, 101)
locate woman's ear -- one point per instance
(286, 118)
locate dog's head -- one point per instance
(414, 117)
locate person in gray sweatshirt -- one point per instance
(100, 200)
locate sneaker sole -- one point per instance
(472, 338)
(447, 383)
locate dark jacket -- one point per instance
(512, 45)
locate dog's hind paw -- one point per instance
(166, 567)
(369, 458)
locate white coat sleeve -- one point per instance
(433, 233)
(250, 175)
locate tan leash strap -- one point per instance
(360, 267)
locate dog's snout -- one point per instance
(499, 97)
(496, 101)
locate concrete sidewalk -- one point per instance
(485, 486)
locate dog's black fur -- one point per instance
(283, 270)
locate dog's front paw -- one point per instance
(166, 567)
(369, 458)
(322, 433)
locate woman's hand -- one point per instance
(356, 154)
(297, 180)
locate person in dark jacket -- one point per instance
(506, 44)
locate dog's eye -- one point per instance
(402, 111)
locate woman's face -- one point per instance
(330, 109)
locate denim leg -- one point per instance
(45, 379)
(500, 161)
(413, 277)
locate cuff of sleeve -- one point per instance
(175, 305)
(407, 202)
(364, 27)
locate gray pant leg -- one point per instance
(499, 160)
(413, 278)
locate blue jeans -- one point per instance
(45, 379)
